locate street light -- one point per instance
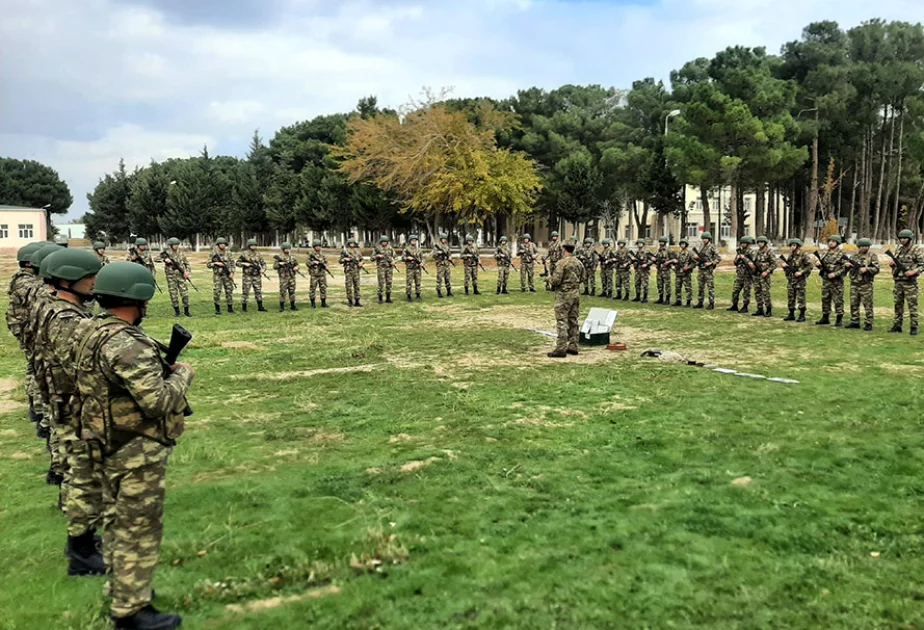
(672, 114)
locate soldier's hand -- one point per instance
(911, 274)
(798, 274)
(832, 276)
(864, 269)
(177, 366)
(891, 263)
(186, 276)
(764, 274)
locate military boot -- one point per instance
(439, 293)
(420, 299)
(409, 298)
(448, 292)
(868, 328)
(217, 308)
(593, 291)
(292, 305)
(710, 306)
(186, 311)
(498, 290)
(504, 291)
(618, 295)
(637, 298)
(699, 304)
(260, 306)
(758, 313)
(176, 311)
(357, 304)
(475, 289)
(148, 618)
(586, 291)
(801, 317)
(896, 328)
(625, 297)
(532, 290)
(466, 289)
(380, 298)
(557, 354)
(768, 312)
(744, 308)
(282, 307)
(734, 307)
(388, 298)
(350, 302)
(852, 326)
(522, 289)
(914, 331)
(244, 307)
(313, 303)
(323, 302)
(690, 303)
(679, 302)
(85, 558)
(660, 299)
(839, 322)
(645, 298)
(824, 321)
(791, 317)
(230, 308)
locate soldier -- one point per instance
(607, 263)
(72, 274)
(797, 269)
(222, 267)
(130, 414)
(832, 282)
(141, 254)
(254, 269)
(566, 281)
(504, 259)
(863, 268)
(286, 266)
(17, 314)
(442, 254)
(707, 260)
(683, 269)
(352, 261)
(527, 252)
(470, 262)
(413, 263)
(588, 257)
(176, 270)
(744, 275)
(384, 255)
(100, 248)
(554, 254)
(317, 271)
(642, 262)
(623, 271)
(906, 267)
(764, 266)
(664, 260)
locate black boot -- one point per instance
(260, 306)
(282, 307)
(439, 293)
(593, 291)
(380, 298)
(466, 289)
(176, 311)
(388, 298)
(409, 298)
(660, 298)
(734, 307)
(350, 302)
(323, 302)
(504, 290)
(896, 328)
(679, 302)
(313, 303)
(801, 317)
(914, 331)
(699, 305)
(637, 298)
(243, 307)
(85, 558)
(618, 295)
(448, 292)
(522, 289)
(689, 303)
(532, 290)
(645, 298)
(839, 322)
(148, 618)
(758, 313)
(498, 290)
(356, 303)
(791, 317)
(744, 309)
(868, 328)
(824, 321)
(292, 305)
(768, 312)
(217, 308)
(852, 326)
(475, 289)
(420, 299)
(625, 297)
(231, 308)
(710, 306)
(186, 311)
(586, 291)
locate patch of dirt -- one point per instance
(7, 406)
(618, 403)
(541, 422)
(256, 418)
(21, 455)
(285, 453)
(240, 345)
(741, 482)
(373, 471)
(400, 438)
(8, 385)
(323, 437)
(418, 464)
(289, 339)
(276, 602)
(9, 433)
(281, 376)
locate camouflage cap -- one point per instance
(865, 242)
(221, 241)
(71, 264)
(125, 280)
(706, 235)
(286, 245)
(527, 237)
(173, 241)
(663, 239)
(140, 241)
(763, 239)
(906, 234)
(795, 241)
(835, 238)
(554, 234)
(25, 252)
(443, 236)
(99, 245)
(43, 252)
(316, 243)
(251, 242)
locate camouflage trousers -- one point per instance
(318, 283)
(861, 293)
(287, 287)
(55, 443)
(624, 281)
(222, 283)
(503, 274)
(443, 276)
(133, 497)
(567, 310)
(82, 490)
(642, 280)
(795, 293)
(762, 296)
(684, 282)
(351, 278)
(705, 281)
(743, 283)
(590, 278)
(832, 291)
(527, 275)
(471, 275)
(606, 280)
(178, 289)
(249, 282)
(664, 284)
(412, 277)
(906, 291)
(386, 274)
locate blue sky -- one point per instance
(85, 82)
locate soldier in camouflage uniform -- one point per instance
(286, 265)
(588, 257)
(863, 267)
(832, 282)
(607, 264)
(442, 254)
(683, 269)
(527, 253)
(911, 260)
(504, 259)
(141, 254)
(253, 269)
(17, 313)
(73, 275)
(707, 259)
(798, 267)
(131, 408)
(664, 260)
(470, 260)
(764, 266)
(413, 264)
(642, 262)
(176, 270)
(222, 267)
(554, 254)
(352, 261)
(384, 255)
(744, 275)
(566, 281)
(317, 271)
(623, 271)
(100, 248)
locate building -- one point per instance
(20, 226)
(71, 231)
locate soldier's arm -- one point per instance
(556, 278)
(771, 263)
(917, 260)
(873, 267)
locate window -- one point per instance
(747, 205)
(726, 230)
(648, 232)
(4, 231)
(628, 232)
(699, 205)
(25, 230)
(692, 230)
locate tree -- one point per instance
(31, 184)
(198, 198)
(109, 219)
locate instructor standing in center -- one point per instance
(566, 282)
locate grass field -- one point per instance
(426, 466)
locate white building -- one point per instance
(20, 226)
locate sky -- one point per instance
(86, 82)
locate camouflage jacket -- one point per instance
(502, 256)
(470, 255)
(623, 260)
(144, 258)
(663, 257)
(799, 262)
(568, 277)
(643, 260)
(18, 312)
(555, 251)
(54, 342)
(175, 263)
(912, 257)
(765, 260)
(384, 255)
(252, 263)
(412, 256)
(104, 260)
(441, 254)
(351, 258)
(685, 262)
(587, 254)
(607, 258)
(528, 253)
(857, 262)
(317, 263)
(125, 388)
(833, 261)
(285, 264)
(708, 257)
(223, 257)
(743, 257)
(38, 295)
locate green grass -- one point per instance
(588, 493)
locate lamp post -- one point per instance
(672, 114)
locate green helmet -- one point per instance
(640, 241)
(663, 239)
(503, 239)
(588, 240)
(125, 280)
(384, 239)
(763, 239)
(865, 242)
(469, 238)
(221, 241)
(173, 241)
(834, 238)
(795, 241)
(707, 235)
(622, 241)
(554, 234)
(412, 237)
(527, 237)
(607, 241)
(316, 243)
(573, 239)
(99, 245)
(684, 241)
(72, 264)
(443, 236)
(25, 252)
(746, 240)
(43, 252)
(140, 241)
(251, 242)
(352, 241)
(906, 234)
(286, 245)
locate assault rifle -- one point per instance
(246, 263)
(279, 260)
(323, 265)
(900, 268)
(408, 258)
(747, 263)
(135, 256)
(824, 265)
(854, 268)
(223, 270)
(788, 269)
(167, 260)
(179, 339)
(349, 261)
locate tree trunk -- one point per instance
(886, 218)
(851, 228)
(863, 224)
(759, 227)
(882, 169)
(771, 213)
(733, 232)
(707, 211)
(813, 200)
(898, 182)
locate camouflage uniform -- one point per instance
(286, 266)
(588, 257)
(707, 259)
(798, 262)
(470, 259)
(317, 264)
(765, 261)
(527, 252)
(664, 260)
(566, 282)
(175, 266)
(384, 255)
(17, 314)
(143, 258)
(607, 264)
(441, 254)
(684, 276)
(861, 287)
(744, 278)
(832, 289)
(504, 258)
(104, 259)
(40, 295)
(413, 261)
(623, 273)
(642, 264)
(221, 277)
(906, 289)
(253, 266)
(131, 410)
(351, 260)
(554, 254)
